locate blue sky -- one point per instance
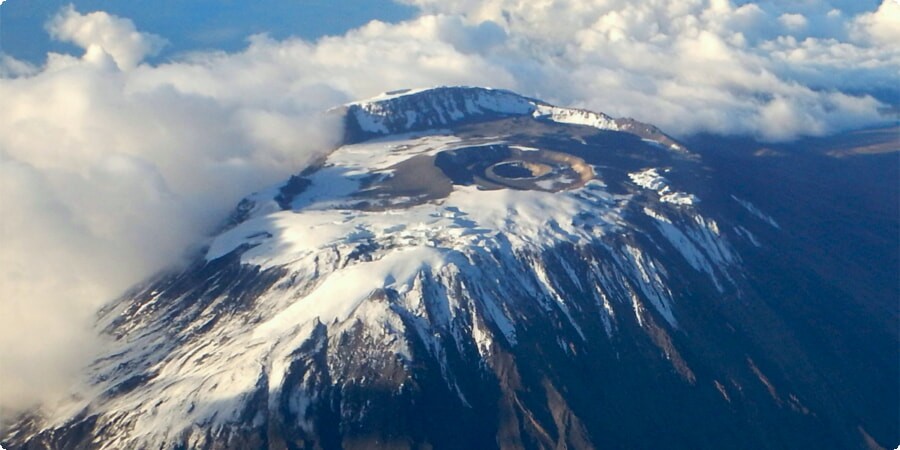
(196, 24)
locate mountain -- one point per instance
(478, 269)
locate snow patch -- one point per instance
(752, 209)
(341, 292)
(574, 117)
(652, 180)
(442, 106)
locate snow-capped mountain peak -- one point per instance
(421, 109)
(470, 259)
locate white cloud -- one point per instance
(109, 172)
(693, 65)
(793, 22)
(881, 27)
(100, 33)
(111, 167)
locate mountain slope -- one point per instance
(474, 269)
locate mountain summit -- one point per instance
(478, 269)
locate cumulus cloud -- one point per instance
(100, 32)
(881, 27)
(111, 170)
(691, 65)
(793, 22)
(111, 167)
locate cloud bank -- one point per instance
(110, 167)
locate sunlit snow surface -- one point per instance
(325, 215)
(575, 117)
(430, 235)
(445, 105)
(651, 179)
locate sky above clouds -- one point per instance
(125, 145)
(196, 24)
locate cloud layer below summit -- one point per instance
(110, 166)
